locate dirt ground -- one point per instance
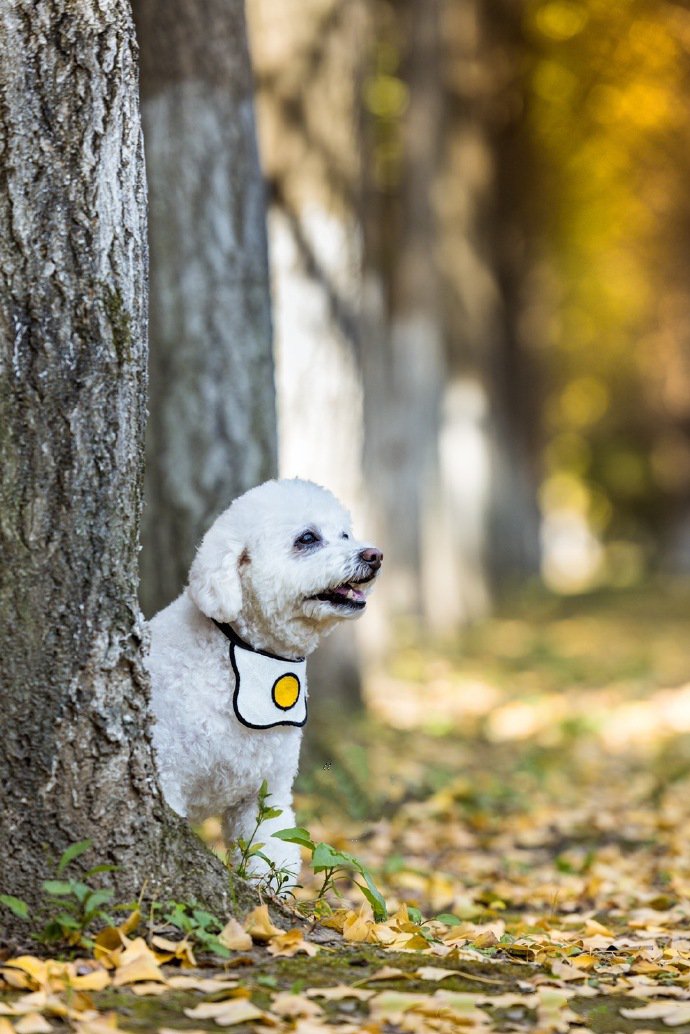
(521, 799)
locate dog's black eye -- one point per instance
(307, 538)
(344, 535)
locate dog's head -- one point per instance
(282, 565)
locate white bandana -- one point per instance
(269, 690)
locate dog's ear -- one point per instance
(214, 577)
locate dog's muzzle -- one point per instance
(348, 595)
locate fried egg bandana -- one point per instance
(269, 690)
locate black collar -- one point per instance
(230, 633)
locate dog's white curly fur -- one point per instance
(249, 571)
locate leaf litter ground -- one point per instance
(523, 799)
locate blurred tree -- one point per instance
(211, 432)
(75, 758)
(307, 55)
(402, 359)
(450, 397)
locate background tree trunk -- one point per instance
(449, 397)
(307, 55)
(212, 426)
(75, 756)
(403, 364)
(488, 481)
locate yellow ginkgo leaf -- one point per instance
(259, 926)
(137, 963)
(33, 1023)
(433, 973)
(292, 1006)
(673, 1014)
(234, 937)
(228, 1013)
(209, 985)
(35, 969)
(168, 950)
(105, 1023)
(388, 973)
(340, 991)
(149, 987)
(359, 927)
(92, 980)
(290, 943)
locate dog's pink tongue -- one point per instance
(349, 592)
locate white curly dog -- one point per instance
(276, 571)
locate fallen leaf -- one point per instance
(209, 985)
(227, 1013)
(340, 991)
(359, 927)
(149, 987)
(386, 973)
(234, 937)
(168, 950)
(259, 926)
(565, 971)
(389, 1004)
(137, 963)
(112, 940)
(175, 1030)
(290, 943)
(310, 1025)
(433, 973)
(35, 972)
(105, 1023)
(294, 1005)
(672, 1013)
(32, 1023)
(93, 980)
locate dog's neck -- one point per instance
(231, 633)
(291, 639)
(297, 637)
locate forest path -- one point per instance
(529, 836)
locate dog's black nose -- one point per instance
(373, 557)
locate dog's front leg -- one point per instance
(282, 857)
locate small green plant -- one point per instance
(69, 907)
(335, 866)
(198, 925)
(276, 879)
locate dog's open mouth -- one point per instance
(347, 596)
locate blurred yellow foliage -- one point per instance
(560, 20)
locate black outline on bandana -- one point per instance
(235, 641)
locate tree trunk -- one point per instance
(514, 385)
(403, 367)
(75, 755)
(307, 58)
(487, 479)
(212, 428)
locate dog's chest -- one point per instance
(230, 759)
(208, 760)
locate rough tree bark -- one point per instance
(212, 428)
(75, 756)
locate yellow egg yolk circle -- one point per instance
(286, 691)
